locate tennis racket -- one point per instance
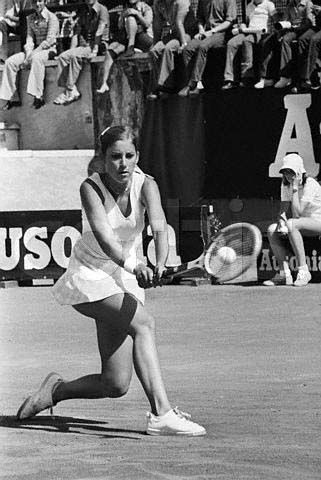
(244, 239)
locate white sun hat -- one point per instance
(294, 162)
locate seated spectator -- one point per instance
(89, 29)
(258, 14)
(215, 20)
(297, 20)
(309, 51)
(42, 31)
(67, 21)
(174, 24)
(10, 23)
(135, 31)
(302, 196)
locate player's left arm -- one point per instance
(157, 220)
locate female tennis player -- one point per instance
(302, 195)
(106, 281)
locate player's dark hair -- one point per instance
(286, 183)
(113, 134)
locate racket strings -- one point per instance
(243, 240)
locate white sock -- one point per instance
(286, 269)
(303, 268)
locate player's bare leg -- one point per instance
(310, 227)
(284, 276)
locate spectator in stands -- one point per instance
(135, 31)
(215, 20)
(42, 31)
(89, 30)
(10, 23)
(174, 25)
(309, 51)
(245, 36)
(297, 20)
(302, 196)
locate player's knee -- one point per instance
(118, 390)
(143, 325)
(115, 388)
(292, 224)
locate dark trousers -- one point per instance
(6, 29)
(195, 55)
(309, 50)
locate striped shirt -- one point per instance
(42, 30)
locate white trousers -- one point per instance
(36, 78)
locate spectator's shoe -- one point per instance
(10, 104)
(229, 85)
(303, 278)
(279, 280)
(173, 422)
(283, 83)
(184, 92)
(263, 83)
(41, 399)
(129, 52)
(104, 88)
(38, 103)
(72, 95)
(61, 99)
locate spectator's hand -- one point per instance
(144, 276)
(93, 53)
(296, 181)
(235, 30)
(181, 47)
(26, 61)
(131, 12)
(44, 45)
(201, 33)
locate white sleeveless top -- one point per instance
(91, 275)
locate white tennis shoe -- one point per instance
(278, 280)
(303, 278)
(41, 399)
(173, 422)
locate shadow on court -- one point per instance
(67, 425)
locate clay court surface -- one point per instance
(245, 361)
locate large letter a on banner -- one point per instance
(296, 135)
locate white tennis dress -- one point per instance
(91, 275)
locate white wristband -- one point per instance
(130, 265)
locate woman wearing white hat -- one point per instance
(300, 214)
